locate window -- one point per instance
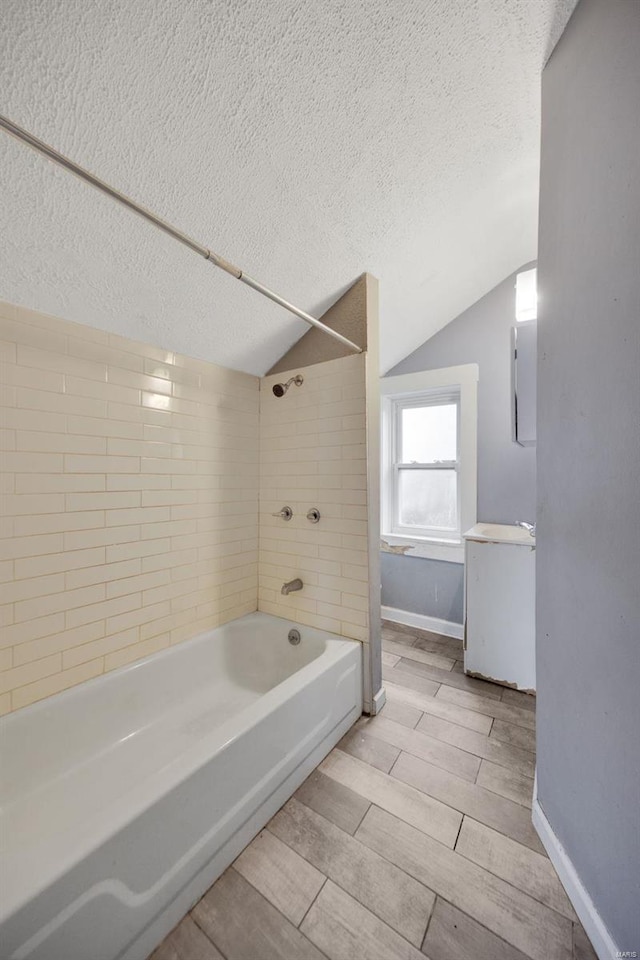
(527, 295)
(425, 465)
(429, 460)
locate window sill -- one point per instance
(451, 551)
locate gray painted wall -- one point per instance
(506, 471)
(430, 587)
(588, 544)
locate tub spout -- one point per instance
(291, 586)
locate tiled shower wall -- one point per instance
(313, 454)
(130, 501)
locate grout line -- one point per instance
(514, 723)
(428, 696)
(324, 882)
(509, 883)
(353, 837)
(452, 746)
(390, 771)
(479, 923)
(453, 686)
(429, 918)
(459, 831)
(190, 914)
(361, 819)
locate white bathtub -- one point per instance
(124, 798)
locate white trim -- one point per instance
(378, 701)
(462, 379)
(450, 552)
(446, 627)
(429, 379)
(602, 941)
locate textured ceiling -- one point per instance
(306, 140)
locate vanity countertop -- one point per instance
(501, 533)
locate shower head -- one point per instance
(279, 389)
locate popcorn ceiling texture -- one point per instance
(305, 141)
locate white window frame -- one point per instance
(458, 383)
(425, 398)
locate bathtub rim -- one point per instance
(55, 857)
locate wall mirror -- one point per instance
(523, 382)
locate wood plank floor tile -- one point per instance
(519, 699)
(582, 948)
(531, 927)
(384, 889)
(401, 628)
(334, 801)
(511, 757)
(420, 656)
(439, 708)
(458, 680)
(491, 708)
(503, 815)
(446, 646)
(420, 634)
(287, 880)
(421, 745)
(372, 750)
(245, 926)
(506, 782)
(407, 803)
(397, 636)
(389, 659)
(411, 680)
(345, 930)
(423, 639)
(452, 935)
(518, 865)
(505, 754)
(402, 713)
(419, 820)
(186, 942)
(515, 735)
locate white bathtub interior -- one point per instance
(237, 713)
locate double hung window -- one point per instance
(429, 460)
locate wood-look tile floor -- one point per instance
(413, 838)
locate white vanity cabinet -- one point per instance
(500, 605)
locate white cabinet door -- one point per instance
(500, 613)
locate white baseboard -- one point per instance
(601, 939)
(378, 701)
(446, 627)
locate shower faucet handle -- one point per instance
(313, 514)
(286, 513)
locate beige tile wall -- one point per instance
(129, 490)
(313, 454)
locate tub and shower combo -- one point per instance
(124, 798)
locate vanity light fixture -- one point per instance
(527, 295)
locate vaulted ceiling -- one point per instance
(306, 140)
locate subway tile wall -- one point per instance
(313, 454)
(129, 516)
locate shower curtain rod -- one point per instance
(41, 147)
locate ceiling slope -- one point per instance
(306, 142)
